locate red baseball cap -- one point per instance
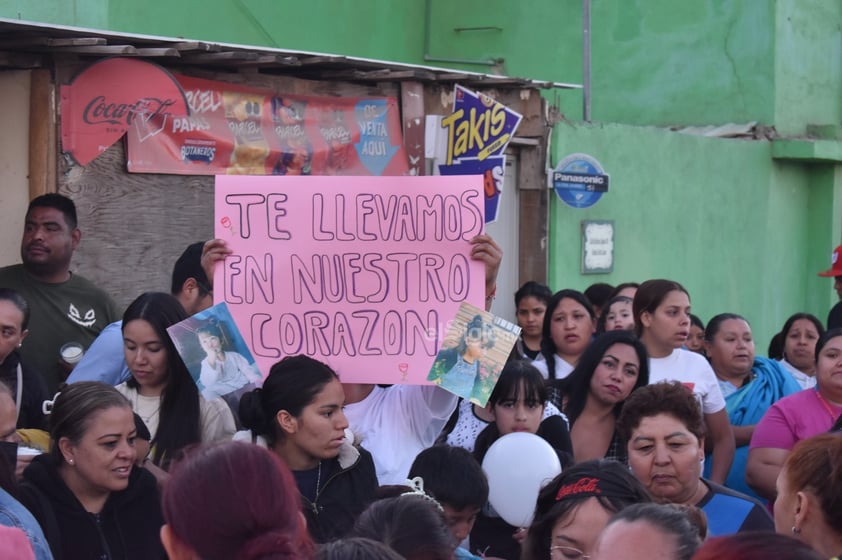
(835, 264)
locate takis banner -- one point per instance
(478, 132)
(237, 130)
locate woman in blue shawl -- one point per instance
(750, 385)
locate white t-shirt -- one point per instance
(694, 371)
(562, 368)
(806, 381)
(398, 423)
(469, 425)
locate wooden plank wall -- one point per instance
(134, 226)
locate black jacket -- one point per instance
(33, 395)
(127, 527)
(348, 490)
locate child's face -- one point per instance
(521, 415)
(210, 344)
(619, 317)
(460, 522)
(696, 340)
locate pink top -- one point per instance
(793, 418)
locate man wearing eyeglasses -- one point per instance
(191, 285)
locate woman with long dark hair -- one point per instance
(798, 339)
(569, 325)
(614, 365)
(531, 301)
(161, 390)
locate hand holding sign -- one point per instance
(360, 273)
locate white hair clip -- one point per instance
(47, 406)
(417, 485)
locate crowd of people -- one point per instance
(676, 440)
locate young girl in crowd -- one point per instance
(696, 338)
(233, 500)
(572, 510)
(613, 366)
(85, 494)
(161, 390)
(298, 416)
(617, 316)
(531, 302)
(750, 384)
(569, 324)
(662, 321)
(518, 402)
(798, 354)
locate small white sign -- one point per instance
(597, 246)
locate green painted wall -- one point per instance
(390, 29)
(808, 64)
(654, 62)
(719, 216)
(82, 13)
(683, 63)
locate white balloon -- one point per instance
(517, 466)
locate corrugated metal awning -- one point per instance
(26, 44)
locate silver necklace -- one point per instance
(318, 478)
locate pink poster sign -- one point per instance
(363, 273)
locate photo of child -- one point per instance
(216, 355)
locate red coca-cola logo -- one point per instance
(111, 96)
(100, 110)
(582, 486)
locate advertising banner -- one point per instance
(236, 130)
(113, 95)
(478, 132)
(361, 273)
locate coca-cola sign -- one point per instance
(110, 97)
